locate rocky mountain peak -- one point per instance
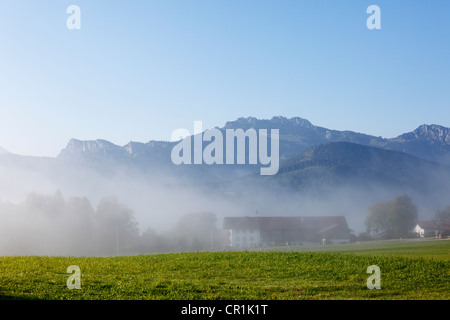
(77, 147)
(275, 122)
(433, 133)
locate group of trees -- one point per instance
(442, 215)
(397, 218)
(51, 225)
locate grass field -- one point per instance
(409, 270)
(411, 248)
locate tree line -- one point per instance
(51, 225)
(397, 218)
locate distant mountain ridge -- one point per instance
(432, 133)
(431, 142)
(349, 163)
(76, 148)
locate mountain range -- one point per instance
(313, 160)
(431, 142)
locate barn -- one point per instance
(254, 232)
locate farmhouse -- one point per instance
(254, 232)
(431, 228)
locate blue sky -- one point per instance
(137, 70)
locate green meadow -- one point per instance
(408, 270)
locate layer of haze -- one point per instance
(158, 201)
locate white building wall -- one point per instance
(419, 231)
(245, 238)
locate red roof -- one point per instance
(434, 225)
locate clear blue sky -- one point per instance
(137, 70)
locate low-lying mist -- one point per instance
(56, 208)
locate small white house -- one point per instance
(431, 228)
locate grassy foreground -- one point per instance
(409, 270)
